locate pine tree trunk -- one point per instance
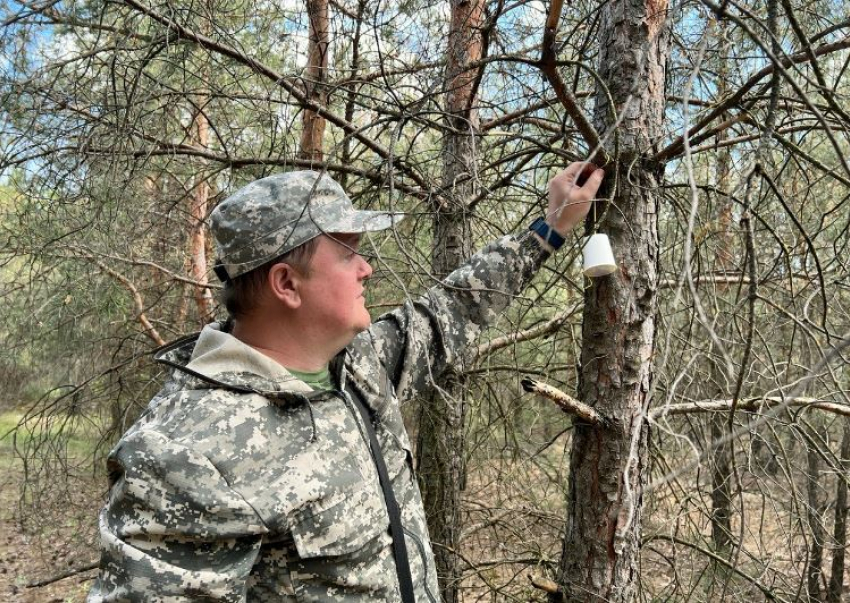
(817, 533)
(313, 125)
(839, 531)
(198, 206)
(441, 447)
(721, 489)
(722, 455)
(608, 465)
(352, 92)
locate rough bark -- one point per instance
(721, 488)
(839, 529)
(817, 533)
(351, 94)
(608, 465)
(441, 446)
(315, 80)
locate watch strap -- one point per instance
(547, 233)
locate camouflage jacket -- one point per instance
(241, 483)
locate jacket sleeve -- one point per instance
(419, 340)
(172, 529)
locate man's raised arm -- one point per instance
(419, 340)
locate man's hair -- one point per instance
(240, 295)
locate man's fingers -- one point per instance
(592, 183)
(571, 194)
(574, 173)
(577, 174)
(586, 172)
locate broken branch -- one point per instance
(564, 401)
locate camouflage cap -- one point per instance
(273, 215)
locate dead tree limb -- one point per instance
(751, 404)
(550, 326)
(138, 302)
(564, 401)
(549, 68)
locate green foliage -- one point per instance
(77, 437)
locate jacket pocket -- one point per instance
(341, 524)
(344, 551)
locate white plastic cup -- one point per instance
(597, 256)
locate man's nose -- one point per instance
(365, 269)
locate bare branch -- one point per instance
(733, 567)
(281, 81)
(675, 148)
(565, 402)
(548, 67)
(139, 303)
(550, 326)
(751, 404)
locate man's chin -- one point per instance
(355, 331)
(360, 326)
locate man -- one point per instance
(274, 465)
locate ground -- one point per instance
(508, 500)
(34, 548)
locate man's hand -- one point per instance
(570, 194)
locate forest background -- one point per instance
(677, 431)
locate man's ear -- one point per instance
(284, 284)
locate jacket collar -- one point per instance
(220, 360)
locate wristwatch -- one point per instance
(547, 233)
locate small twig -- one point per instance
(63, 575)
(770, 595)
(173, 275)
(565, 402)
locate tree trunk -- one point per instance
(313, 125)
(441, 448)
(721, 489)
(722, 454)
(814, 568)
(199, 196)
(839, 532)
(198, 206)
(351, 94)
(608, 465)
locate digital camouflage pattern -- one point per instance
(273, 215)
(239, 483)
